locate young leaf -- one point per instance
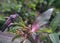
(42, 19)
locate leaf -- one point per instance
(17, 36)
(55, 22)
(45, 30)
(54, 37)
(22, 22)
(44, 17)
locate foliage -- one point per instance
(27, 10)
(55, 22)
(54, 37)
(26, 31)
(2, 20)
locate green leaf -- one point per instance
(55, 22)
(22, 22)
(54, 37)
(45, 30)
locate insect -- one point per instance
(9, 21)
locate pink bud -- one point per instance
(35, 27)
